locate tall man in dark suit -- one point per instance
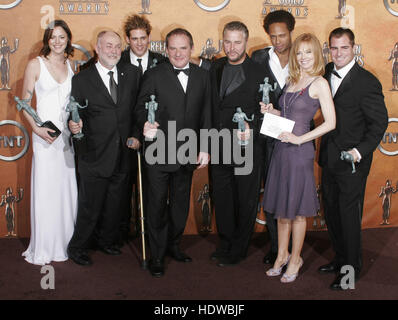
(235, 81)
(182, 92)
(279, 26)
(104, 161)
(138, 35)
(361, 122)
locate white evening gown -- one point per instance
(53, 204)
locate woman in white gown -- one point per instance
(53, 178)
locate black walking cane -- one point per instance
(144, 258)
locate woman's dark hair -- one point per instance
(45, 50)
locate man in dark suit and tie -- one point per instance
(182, 92)
(279, 26)
(361, 122)
(235, 81)
(137, 31)
(138, 35)
(104, 161)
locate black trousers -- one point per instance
(166, 221)
(235, 199)
(99, 203)
(343, 197)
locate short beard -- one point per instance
(238, 58)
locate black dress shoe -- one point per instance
(79, 257)
(218, 254)
(111, 250)
(229, 261)
(270, 258)
(179, 256)
(156, 268)
(329, 268)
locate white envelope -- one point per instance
(274, 125)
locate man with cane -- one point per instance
(182, 101)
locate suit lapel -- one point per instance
(121, 84)
(175, 79)
(99, 84)
(346, 84)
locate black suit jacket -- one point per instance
(361, 120)
(246, 96)
(125, 58)
(106, 125)
(190, 110)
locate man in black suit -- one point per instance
(104, 161)
(279, 26)
(235, 81)
(138, 35)
(183, 94)
(361, 122)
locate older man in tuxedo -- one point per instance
(361, 122)
(103, 156)
(182, 92)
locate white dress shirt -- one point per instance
(144, 61)
(183, 78)
(336, 82)
(103, 72)
(280, 73)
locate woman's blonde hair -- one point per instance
(294, 68)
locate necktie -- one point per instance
(112, 87)
(140, 65)
(186, 71)
(336, 74)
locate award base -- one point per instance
(78, 136)
(52, 126)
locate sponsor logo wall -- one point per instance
(21, 33)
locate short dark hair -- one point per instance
(279, 16)
(45, 50)
(179, 31)
(236, 26)
(339, 32)
(134, 22)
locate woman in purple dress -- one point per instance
(290, 191)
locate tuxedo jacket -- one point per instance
(190, 110)
(361, 120)
(106, 125)
(125, 58)
(245, 94)
(262, 57)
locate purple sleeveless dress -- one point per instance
(290, 187)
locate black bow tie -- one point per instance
(336, 74)
(186, 71)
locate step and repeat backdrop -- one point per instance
(22, 24)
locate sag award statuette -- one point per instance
(24, 104)
(265, 88)
(73, 107)
(151, 106)
(344, 155)
(240, 118)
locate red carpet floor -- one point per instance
(121, 277)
